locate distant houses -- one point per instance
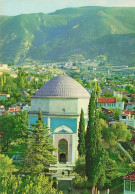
(14, 109)
(128, 117)
(110, 103)
(10, 110)
(4, 97)
(4, 67)
(129, 183)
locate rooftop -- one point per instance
(127, 112)
(62, 86)
(130, 176)
(106, 100)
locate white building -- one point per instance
(60, 101)
(110, 103)
(128, 117)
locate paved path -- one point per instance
(59, 176)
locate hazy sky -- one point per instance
(16, 7)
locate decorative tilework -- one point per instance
(57, 122)
(33, 120)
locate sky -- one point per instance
(16, 7)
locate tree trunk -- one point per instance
(94, 190)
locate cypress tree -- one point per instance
(40, 148)
(81, 135)
(93, 143)
(89, 138)
(96, 151)
(1, 83)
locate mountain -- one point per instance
(69, 33)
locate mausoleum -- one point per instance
(60, 101)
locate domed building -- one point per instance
(60, 101)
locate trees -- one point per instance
(7, 127)
(81, 135)
(14, 127)
(118, 132)
(89, 135)
(80, 166)
(95, 154)
(38, 184)
(117, 112)
(10, 183)
(39, 148)
(98, 91)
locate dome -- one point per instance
(62, 86)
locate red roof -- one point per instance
(1, 134)
(130, 176)
(14, 110)
(133, 141)
(132, 94)
(2, 111)
(125, 93)
(128, 112)
(107, 100)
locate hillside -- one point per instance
(83, 32)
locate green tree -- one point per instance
(95, 86)
(1, 83)
(9, 183)
(81, 135)
(118, 132)
(117, 112)
(95, 154)
(40, 148)
(104, 127)
(38, 184)
(98, 91)
(7, 127)
(89, 138)
(80, 165)
(14, 127)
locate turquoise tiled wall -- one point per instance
(33, 120)
(57, 122)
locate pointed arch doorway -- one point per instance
(63, 151)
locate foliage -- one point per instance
(80, 166)
(117, 112)
(98, 91)
(107, 94)
(102, 115)
(10, 183)
(39, 148)
(99, 167)
(6, 166)
(38, 184)
(104, 127)
(89, 138)
(118, 132)
(118, 99)
(14, 127)
(81, 135)
(130, 89)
